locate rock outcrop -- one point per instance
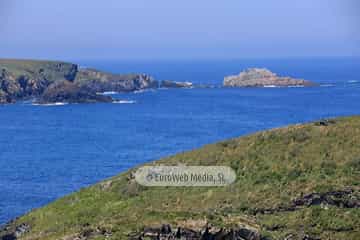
(70, 92)
(174, 84)
(102, 82)
(13, 233)
(344, 198)
(262, 77)
(166, 232)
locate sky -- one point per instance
(178, 29)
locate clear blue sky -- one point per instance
(171, 29)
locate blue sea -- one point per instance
(49, 151)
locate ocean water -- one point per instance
(323, 70)
(49, 151)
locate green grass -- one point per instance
(273, 167)
(19, 67)
(53, 70)
(88, 74)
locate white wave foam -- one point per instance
(50, 104)
(139, 91)
(124, 101)
(109, 93)
(353, 81)
(143, 90)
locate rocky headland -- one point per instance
(54, 81)
(262, 77)
(24, 79)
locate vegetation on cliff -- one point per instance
(296, 182)
(22, 79)
(101, 82)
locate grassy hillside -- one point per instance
(276, 170)
(52, 70)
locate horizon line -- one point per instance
(56, 59)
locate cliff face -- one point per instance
(3, 97)
(70, 92)
(260, 77)
(21, 79)
(101, 81)
(8, 86)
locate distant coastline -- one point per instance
(49, 82)
(52, 81)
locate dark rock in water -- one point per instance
(262, 77)
(66, 91)
(173, 84)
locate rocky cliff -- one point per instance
(24, 79)
(262, 77)
(70, 92)
(102, 81)
(21, 79)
